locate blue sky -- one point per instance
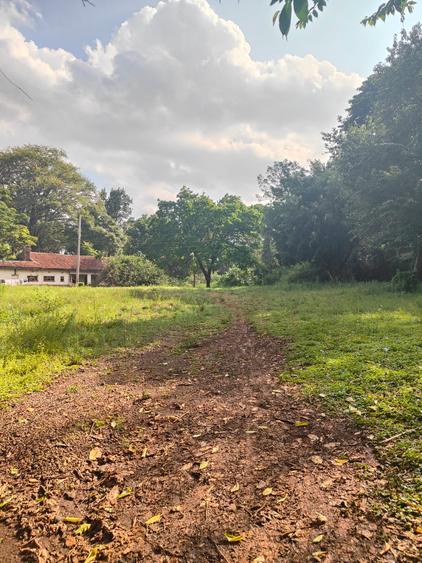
(336, 36)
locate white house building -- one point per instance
(47, 268)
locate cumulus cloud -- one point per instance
(174, 98)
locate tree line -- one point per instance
(356, 216)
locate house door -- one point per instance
(83, 279)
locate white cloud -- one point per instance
(174, 98)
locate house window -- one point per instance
(49, 278)
(32, 278)
(62, 279)
(2, 281)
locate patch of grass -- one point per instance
(45, 330)
(358, 348)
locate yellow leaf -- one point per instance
(419, 530)
(340, 461)
(95, 454)
(235, 488)
(215, 449)
(259, 559)
(14, 471)
(132, 449)
(318, 554)
(92, 555)
(72, 519)
(232, 538)
(144, 452)
(153, 520)
(318, 539)
(83, 528)
(203, 465)
(5, 502)
(267, 491)
(300, 423)
(125, 493)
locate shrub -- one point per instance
(131, 271)
(404, 282)
(236, 276)
(303, 272)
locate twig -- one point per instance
(219, 551)
(397, 436)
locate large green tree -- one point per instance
(213, 235)
(14, 235)
(46, 189)
(377, 149)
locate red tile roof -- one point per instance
(51, 261)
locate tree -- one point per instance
(377, 149)
(306, 217)
(307, 10)
(118, 204)
(194, 228)
(46, 190)
(14, 235)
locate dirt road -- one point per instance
(172, 455)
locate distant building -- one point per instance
(47, 268)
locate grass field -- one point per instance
(358, 349)
(44, 330)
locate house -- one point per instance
(47, 268)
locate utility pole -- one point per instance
(78, 256)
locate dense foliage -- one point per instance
(130, 271)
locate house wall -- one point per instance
(18, 277)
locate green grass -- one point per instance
(45, 330)
(358, 348)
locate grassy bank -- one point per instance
(44, 330)
(358, 348)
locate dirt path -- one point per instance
(204, 439)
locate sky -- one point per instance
(155, 95)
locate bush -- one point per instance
(303, 272)
(404, 282)
(131, 271)
(236, 276)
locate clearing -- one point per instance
(189, 450)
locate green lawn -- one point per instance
(357, 349)
(45, 330)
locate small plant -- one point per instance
(72, 389)
(404, 282)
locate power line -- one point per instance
(15, 85)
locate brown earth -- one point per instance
(205, 439)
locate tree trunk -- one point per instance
(207, 276)
(418, 263)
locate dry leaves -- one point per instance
(153, 520)
(95, 454)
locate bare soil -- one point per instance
(206, 440)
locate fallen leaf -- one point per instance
(83, 528)
(317, 459)
(4, 503)
(113, 494)
(235, 488)
(203, 465)
(419, 530)
(267, 491)
(318, 539)
(320, 519)
(340, 461)
(153, 520)
(318, 554)
(95, 454)
(233, 538)
(72, 519)
(125, 493)
(144, 452)
(259, 559)
(215, 449)
(14, 471)
(300, 423)
(132, 449)
(92, 555)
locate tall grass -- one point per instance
(44, 330)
